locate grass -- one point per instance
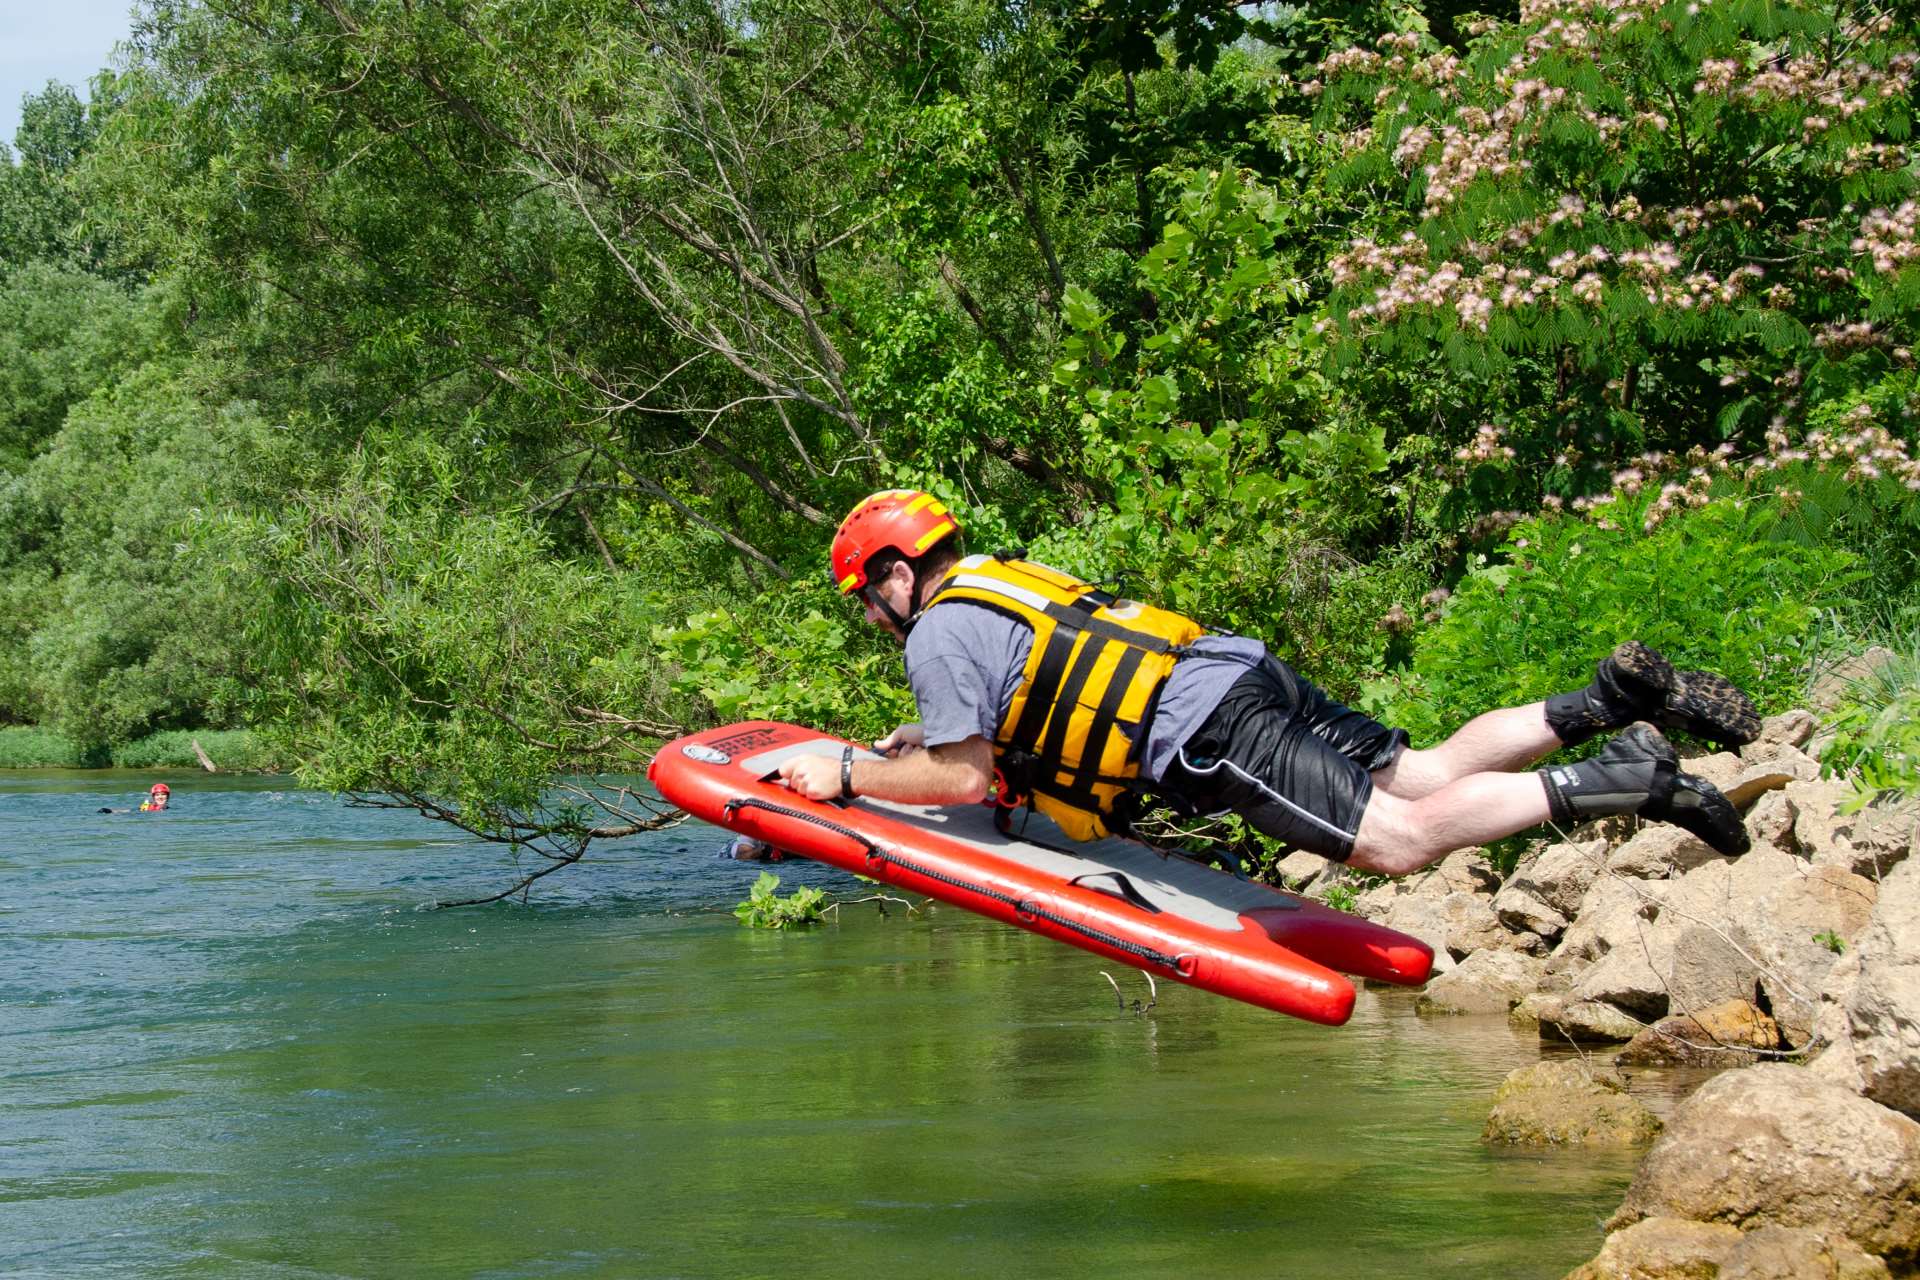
(1876, 726)
(232, 750)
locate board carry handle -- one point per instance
(748, 802)
(1123, 889)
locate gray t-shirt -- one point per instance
(964, 663)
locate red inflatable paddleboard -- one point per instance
(1170, 916)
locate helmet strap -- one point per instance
(878, 601)
(902, 622)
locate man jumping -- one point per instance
(1088, 704)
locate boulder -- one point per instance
(1616, 911)
(1374, 903)
(1692, 953)
(1562, 1019)
(1472, 926)
(1676, 1249)
(1871, 1007)
(1525, 1016)
(1523, 911)
(1720, 769)
(1707, 965)
(1631, 977)
(1305, 872)
(1544, 891)
(1563, 1103)
(1744, 778)
(1759, 780)
(1725, 1035)
(1661, 1249)
(1760, 928)
(1869, 842)
(1797, 933)
(1770, 823)
(1485, 982)
(1791, 1253)
(1790, 729)
(1773, 1146)
(1659, 851)
(1464, 871)
(1561, 873)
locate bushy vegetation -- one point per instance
(1876, 727)
(231, 750)
(465, 396)
(25, 747)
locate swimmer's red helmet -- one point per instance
(159, 789)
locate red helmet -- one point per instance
(160, 788)
(904, 520)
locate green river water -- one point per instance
(232, 1045)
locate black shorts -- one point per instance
(1283, 755)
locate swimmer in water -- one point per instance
(158, 796)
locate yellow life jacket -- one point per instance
(1071, 738)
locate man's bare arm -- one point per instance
(952, 773)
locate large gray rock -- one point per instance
(1464, 871)
(1307, 873)
(1544, 891)
(1869, 842)
(1676, 1249)
(1485, 982)
(1871, 1008)
(1562, 1019)
(1374, 903)
(1709, 965)
(1522, 910)
(1472, 926)
(1636, 971)
(1790, 729)
(1770, 822)
(1720, 768)
(1797, 933)
(1561, 873)
(1773, 1146)
(1744, 779)
(1705, 906)
(1659, 851)
(1562, 1103)
(1615, 912)
(1631, 977)
(1732, 1034)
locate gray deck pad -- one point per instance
(1174, 885)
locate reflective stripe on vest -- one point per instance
(1091, 680)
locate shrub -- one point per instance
(28, 747)
(1710, 588)
(233, 750)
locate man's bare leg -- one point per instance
(1499, 741)
(1400, 834)
(1638, 772)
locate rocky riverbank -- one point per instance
(1798, 963)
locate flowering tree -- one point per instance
(1684, 232)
